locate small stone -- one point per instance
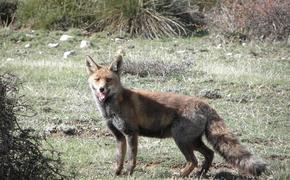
(219, 46)
(67, 129)
(49, 130)
(211, 94)
(27, 46)
(9, 59)
(119, 39)
(29, 35)
(53, 45)
(65, 37)
(180, 52)
(68, 54)
(85, 44)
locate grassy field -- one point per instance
(253, 79)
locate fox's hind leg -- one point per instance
(208, 156)
(187, 151)
(184, 141)
(185, 133)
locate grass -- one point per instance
(253, 79)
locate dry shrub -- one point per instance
(154, 67)
(147, 18)
(7, 12)
(22, 155)
(254, 19)
(150, 18)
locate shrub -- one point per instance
(7, 12)
(22, 155)
(57, 14)
(255, 19)
(154, 67)
(151, 18)
(147, 18)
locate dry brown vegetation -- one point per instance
(255, 19)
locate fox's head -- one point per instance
(104, 81)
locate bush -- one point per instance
(154, 67)
(147, 18)
(7, 11)
(255, 19)
(151, 18)
(57, 14)
(22, 155)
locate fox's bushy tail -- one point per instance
(229, 147)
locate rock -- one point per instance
(27, 46)
(68, 54)
(53, 45)
(85, 44)
(29, 35)
(9, 59)
(67, 129)
(65, 37)
(180, 51)
(50, 130)
(211, 94)
(219, 46)
(119, 39)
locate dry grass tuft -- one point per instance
(151, 19)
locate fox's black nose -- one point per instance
(102, 89)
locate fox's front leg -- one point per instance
(132, 140)
(121, 147)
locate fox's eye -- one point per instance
(109, 79)
(97, 79)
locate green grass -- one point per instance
(257, 73)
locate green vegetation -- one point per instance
(57, 14)
(253, 79)
(145, 18)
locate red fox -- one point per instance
(130, 113)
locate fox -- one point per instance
(130, 113)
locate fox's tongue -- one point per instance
(102, 96)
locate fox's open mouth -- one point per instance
(102, 96)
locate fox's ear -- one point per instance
(92, 66)
(118, 62)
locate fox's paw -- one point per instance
(187, 170)
(118, 170)
(201, 174)
(130, 170)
